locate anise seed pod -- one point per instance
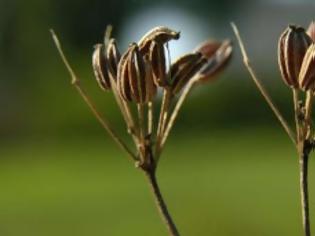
(218, 54)
(113, 57)
(311, 31)
(185, 73)
(123, 85)
(292, 47)
(158, 63)
(137, 76)
(100, 67)
(181, 62)
(160, 34)
(307, 73)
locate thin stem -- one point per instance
(160, 203)
(308, 113)
(76, 83)
(126, 113)
(297, 118)
(162, 119)
(178, 105)
(304, 194)
(150, 117)
(261, 88)
(140, 108)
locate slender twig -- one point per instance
(150, 117)
(126, 113)
(166, 100)
(260, 86)
(297, 117)
(178, 105)
(304, 193)
(141, 125)
(160, 203)
(76, 83)
(308, 113)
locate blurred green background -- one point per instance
(228, 168)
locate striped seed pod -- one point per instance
(311, 31)
(292, 47)
(160, 34)
(307, 73)
(123, 85)
(113, 57)
(100, 67)
(135, 81)
(218, 54)
(183, 69)
(158, 63)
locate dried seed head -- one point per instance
(100, 67)
(158, 62)
(218, 54)
(311, 31)
(123, 85)
(159, 34)
(307, 73)
(113, 57)
(292, 46)
(184, 69)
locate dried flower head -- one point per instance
(134, 77)
(218, 55)
(307, 73)
(292, 47)
(100, 67)
(311, 31)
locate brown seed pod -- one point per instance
(182, 62)
(160, 34)
(137, 76)
(292, 47)
(184, 69)
(100, 67)
(307, 73)
(311, 31)
(123, 85)
(113, 57)
(134, 77)
(218, 54)
(158, 63)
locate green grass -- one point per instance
(238, 182)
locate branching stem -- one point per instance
(76, 83)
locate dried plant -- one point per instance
(296, 56)
(134, 78)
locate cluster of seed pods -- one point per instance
(142, 67)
